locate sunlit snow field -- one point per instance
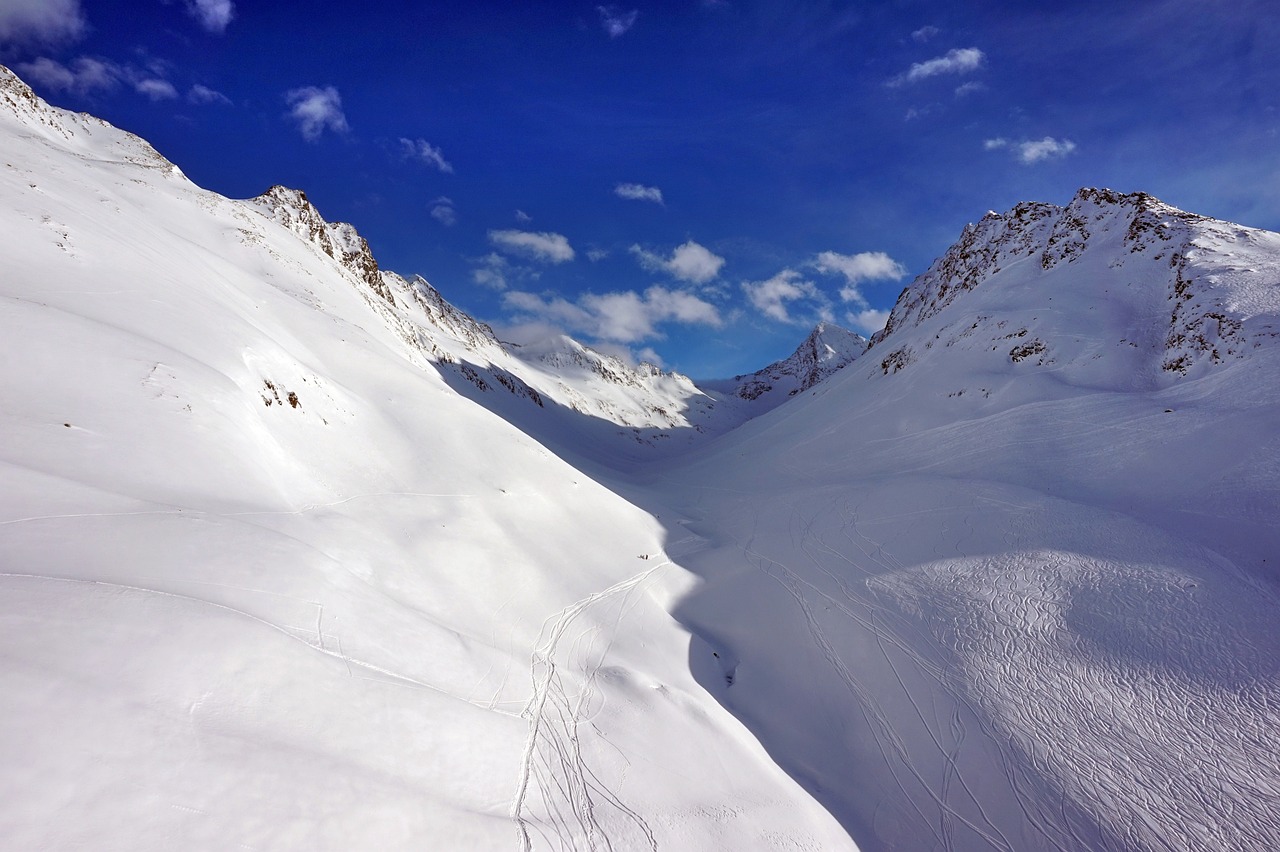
(278, 572)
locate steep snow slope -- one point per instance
(270, 581)
(1019, 559)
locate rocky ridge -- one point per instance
(1191, 291)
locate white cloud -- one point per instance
(213, 15)
(868, 321)
(638, 192)
(492, 272)
(771, 297)
(1044, 149)
(83, 75)
(523, 217)
(957, 61)
(1030, 151)
(424, 151)
(442, 211)
(316, 110)
(546, 247)
(647, 355)
(969, 88)
(595, 255)
(623, 317)
(204, 95)
(41, 21)
(615, 21)
(689, 262)
(156, 89)
(856, 268)
(925, 33)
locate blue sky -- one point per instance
(693, 181)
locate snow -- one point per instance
(375, 619)
(295, 554)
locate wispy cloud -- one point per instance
(1030, 151)
(523, 217)
(969, 88)
(443, 211)
(83, 75)
(615, 21)
(689, 262)
(424, 152)
(41, 22)
(213, 15)
(156, 89)
(316, 110)
(925, 33)
(959, 61)
(638, 192)
(543, 246)
(492, 271)
(623, 317)
(204, 95)
(771, 297)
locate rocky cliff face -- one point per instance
(1186, 290)
(339, 240)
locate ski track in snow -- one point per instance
(568, 798)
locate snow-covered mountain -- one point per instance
(296, 554)
(1020, 558)
(271, 581)
(1159, 294)
(828, 348)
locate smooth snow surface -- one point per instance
(296, 555)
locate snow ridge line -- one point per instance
(543, 671)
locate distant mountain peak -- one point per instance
(827, 349)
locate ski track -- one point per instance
(1055, 820)
(569, 792)
(895, 752)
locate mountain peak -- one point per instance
(828, 348)
(339, 240)
(1117, 290)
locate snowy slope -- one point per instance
(1019, 559)
(296, 554)
(270, 581)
